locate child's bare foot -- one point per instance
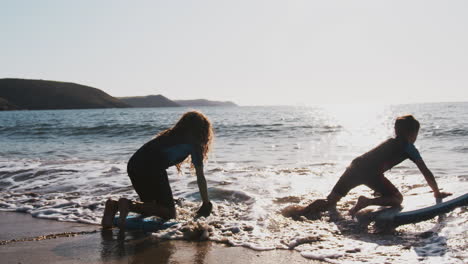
(124, 208)
(317, 206)
(311, 211)
(109, 212)
(362, 202)
(293, 211)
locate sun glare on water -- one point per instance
(361, 124)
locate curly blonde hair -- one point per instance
(193, 128)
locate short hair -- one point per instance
(405, 125)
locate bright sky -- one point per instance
(251, 52)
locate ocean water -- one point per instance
(64, 164)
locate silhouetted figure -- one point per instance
(368, 169)
(191, 136)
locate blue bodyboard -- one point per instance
(149, 224)
(403, 218)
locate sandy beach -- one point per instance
(24, 239)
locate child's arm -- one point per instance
(430, 179)
(201, 181)
(206, 208)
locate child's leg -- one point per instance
(390, 195)
(152, 186)
(363, 202)
(317, 206)
(347, 181)
(143, 208)
(124, 209)
(152, 209)
(109, 212)
(333, 198)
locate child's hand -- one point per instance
(442, 194)
(205, 209)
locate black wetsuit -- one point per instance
(147, 168)
(369, 168)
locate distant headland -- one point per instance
(162, 101)
(44, 95)
(24, 94)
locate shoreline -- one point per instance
(25, 239)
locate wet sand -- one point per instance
(24, 239)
